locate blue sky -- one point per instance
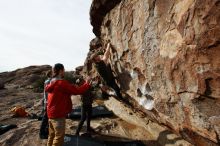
(37, 32)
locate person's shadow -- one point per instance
(163, 139)
(99, 140)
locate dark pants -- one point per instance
(113, 85)
(44, 126)
(86, 113)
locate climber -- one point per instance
(104, 68)
(44, 124)
(59, 104)
(86, 105)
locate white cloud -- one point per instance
(35, 32)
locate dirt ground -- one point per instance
(27, 132)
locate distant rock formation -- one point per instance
(24, 77)
(166, 58)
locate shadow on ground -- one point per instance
(100, 140)
(164, 139)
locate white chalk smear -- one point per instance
(147, 103)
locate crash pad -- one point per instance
(97, 111)
(5, 128)
(71, 140)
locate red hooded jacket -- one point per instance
(59, 97)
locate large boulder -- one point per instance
(166, 58)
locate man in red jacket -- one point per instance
(59, 104)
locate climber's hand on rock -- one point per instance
(108, 45)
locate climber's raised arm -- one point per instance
(107, 53)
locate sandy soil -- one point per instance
(28, 129)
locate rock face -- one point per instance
(24, 77)
(165, 56)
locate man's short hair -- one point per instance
(79, 68)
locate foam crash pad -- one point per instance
(71, 140)
(5, 128)
(98, 111)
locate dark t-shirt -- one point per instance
(89, 95)
(105, 72)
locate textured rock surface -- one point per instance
(166, 55)
(153, 130)
(24, 77)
